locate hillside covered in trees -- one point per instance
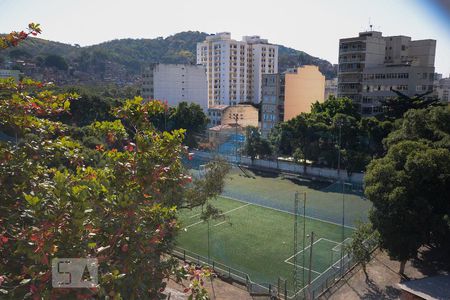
(120, 61)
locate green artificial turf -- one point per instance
(323, 200)
(259, 241)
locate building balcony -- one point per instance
(352, 50)
(348, 91)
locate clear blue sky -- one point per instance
(314, 26)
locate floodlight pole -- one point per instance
(310, 259)
(304, 237)
(236, 118)
(339, 123)
(295, 273)
(208, 244)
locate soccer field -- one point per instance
(259, 241)
(323, 199)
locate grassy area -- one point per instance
(260, 241)
(323, 200)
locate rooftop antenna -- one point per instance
(370, 25)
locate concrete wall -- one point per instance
(302, 89)
(285, 166)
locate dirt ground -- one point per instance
(217, 290)
(384, 277)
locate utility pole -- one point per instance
(310, 262)
(339, 124)
(304, 237)
(295, 273)
(236, 118)
(208, 243)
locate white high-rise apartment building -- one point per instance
(234, 68)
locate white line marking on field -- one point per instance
(196, 215)
(222, 214)
(196, 223)
(309, 246)
(235, 209)
(307, 269)
(331, 241)
(340, 245)
(287, 212)
(220, 223)
(314, 280)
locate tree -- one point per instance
(431, 125)
(394, 108)
(333, 106)
(409, 191)
(116, 200)
(255, 145)
(56, 61)
(252, 139)
(14, 38)
(299, 158)
(359, 247)
(191, 118)
(316, 134)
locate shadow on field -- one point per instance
(315, 185)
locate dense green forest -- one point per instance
(130, 54)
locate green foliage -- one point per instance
(333, 106)
(191, 118)
(56, 61)
(289, 58)
(63, 195)
(131, 54)
(394, 108)
(409, 186)
(14, 38)
(255, 145)
(316, 135)
(431, 125)
(359, 247)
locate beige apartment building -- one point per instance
(443, 90)
(371, 65)
(234, 68)
(303, 87)
(331, 88)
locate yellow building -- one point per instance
(244, 115)
(303, 87)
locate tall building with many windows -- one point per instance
(272, 102)
(234, 68)
(443, 90)
(175, 83)
(371, 66)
